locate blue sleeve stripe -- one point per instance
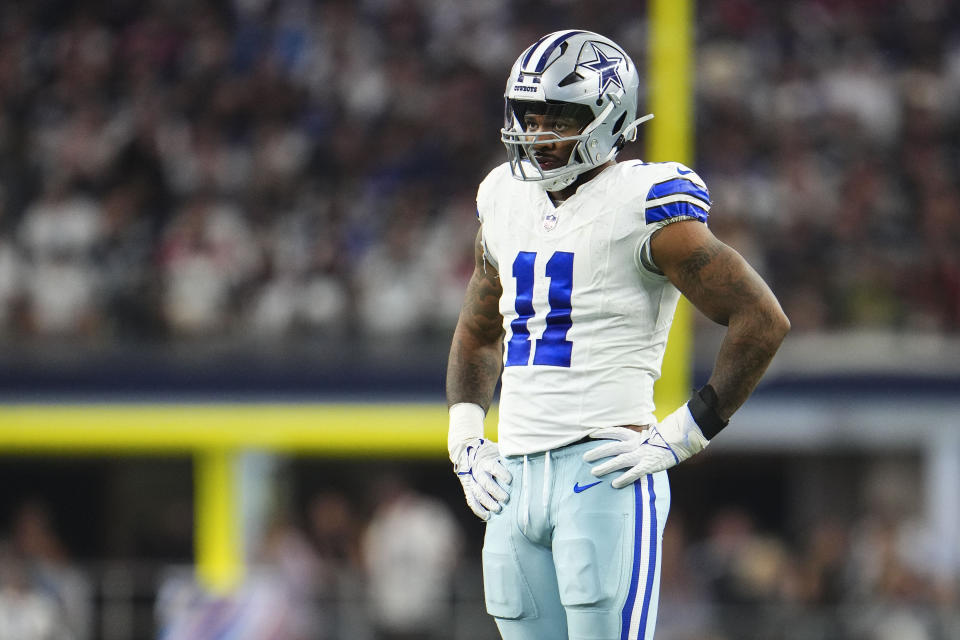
(675, 210)
(678, 185)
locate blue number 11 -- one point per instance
(553, 348)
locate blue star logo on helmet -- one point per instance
(607, 67)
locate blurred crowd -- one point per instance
(398, 568)
(273, 168)
(341, 569)
(276, 168)
(827, 130)
(861, 577)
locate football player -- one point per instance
(580, 261)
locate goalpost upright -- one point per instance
(670, 137)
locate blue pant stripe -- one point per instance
(652, 560)
(627, 616)
(635, 573)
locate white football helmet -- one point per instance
(571, 73)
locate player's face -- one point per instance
(551, 154)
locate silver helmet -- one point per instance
(577, 74)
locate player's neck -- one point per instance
(559, 197)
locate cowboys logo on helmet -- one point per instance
(576, 75)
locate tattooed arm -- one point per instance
(476, 353)
(720, 283)
(472, 372)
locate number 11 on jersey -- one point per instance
(552, 349)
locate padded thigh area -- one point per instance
(590, 567)
(506, 591)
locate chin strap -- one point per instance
(559, 184)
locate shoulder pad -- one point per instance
(489, 186)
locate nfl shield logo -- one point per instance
(549, 221)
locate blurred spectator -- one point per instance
(207, 253)
(287, 553)
(396, 289)
(26, 612)
(11, 268)
(334, 530)
(123, 256)
(410, 549)
(41, 564)
(62, 285)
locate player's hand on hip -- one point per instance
(484, 478)
(658, 447)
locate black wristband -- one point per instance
(703, 407)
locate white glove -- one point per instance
(483, 477)
(476, 461)
(658, 447)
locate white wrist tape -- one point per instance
(466, 423)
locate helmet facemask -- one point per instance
(521, 143)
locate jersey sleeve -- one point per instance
(677, 194)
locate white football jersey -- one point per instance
(585, 315)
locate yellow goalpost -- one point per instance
(214, 435)
(670, 134)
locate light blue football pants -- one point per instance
(569, 556)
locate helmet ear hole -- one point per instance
(579, 155)
(619, 123)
